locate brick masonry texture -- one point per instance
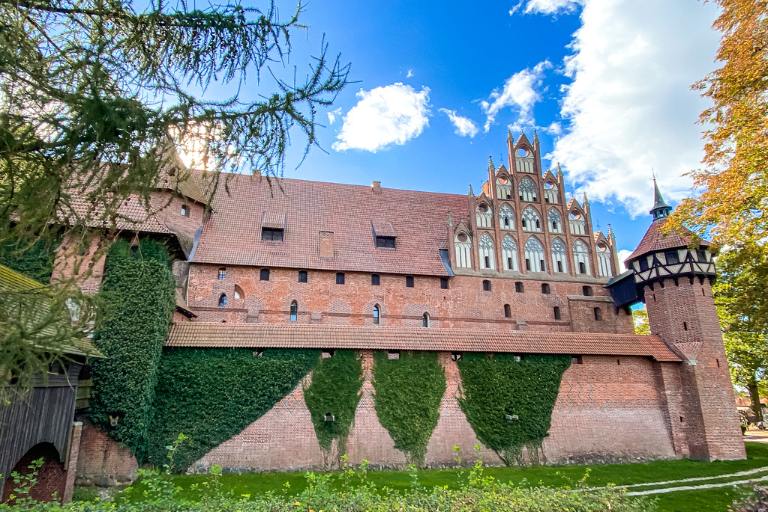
(103, 461)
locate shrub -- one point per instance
(408, 394)
(210, 395)
(757, 502)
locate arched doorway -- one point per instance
(51, 476)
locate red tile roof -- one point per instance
(656, 240)
(204, 334)
(419, 219)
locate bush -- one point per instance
(408, 395)
(757, 502)
(509, 402)
(138, 299)
(210, 395)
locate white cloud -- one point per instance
(554, 128)
(551, 6)
(623, 255)
(391, 114)
(333, 115)
(462, 125)
(629, 108)
(520, 91)
(409, 73)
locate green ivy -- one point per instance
(138, 300)
(408, 394)
(335, 390)
(34, 260)
(509, 403)
(211, 395)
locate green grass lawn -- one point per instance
(598, 475)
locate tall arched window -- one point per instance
(483, 216)
(555, 221)
(604, 260)
(534, 255)
(581, 257)
(463, 246)
(550, 192)
(509, 253)
(527, 190)
(506, 217)
(376, 314)
(530, 220)
(577, 223)
(239, 293)
(425, 320)
(486, 252)
(503, 188)
(223, 301)
(294, 314)
(559, 256)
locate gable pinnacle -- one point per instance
(661, 209)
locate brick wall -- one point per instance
(607, 409)
(465, 304)
(103, 461)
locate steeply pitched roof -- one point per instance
(204, 334)
(656, 240)
(419, 219)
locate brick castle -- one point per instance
(513, 268)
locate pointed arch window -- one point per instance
(463, 246)
(509, 253)
(506, 217)
(551, 192)
(534, 255)
(239, 293)
(483, 216)
(486, 252)
(604, 260)
(376, 314)
(294, 313)
(425, 320)
(581, 257)
(555, 221)
(559, 256)
(503, 188)
(223, 300)
(577, 223)
(527, 190)
(530, 220)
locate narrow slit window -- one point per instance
(507, 311)
(425, 320)
(486, 285)
(303, 276)
(556, 311)
(375, 279)
(598, 313)
(376, 314)
(294, 314)
(340, 278)
(409, 281)
(264, 274)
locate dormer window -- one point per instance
(387, 242)
(272, 234)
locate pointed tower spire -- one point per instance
(661, 209)
(490, 164)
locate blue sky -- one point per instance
(605, 82)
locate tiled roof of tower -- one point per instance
(418, 219)
(131, 215)
(205, 334)
(656, 240)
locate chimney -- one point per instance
(376, 187)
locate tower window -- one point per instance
(184, 210)
(507, 311)
(587, 291)
(672, 257)
(444, 283)
(701, 254)
(376, 314)
(556, 311)
(272, 234)
(387, 242)
(486, 285)
(339, 277)
(223, 301)
(685, 326)
(409, 281)
(598, 313)
(375, 279)
(264, 274)
(222, 274)
(545, 289)
(303, 276)
(519, 287)
(425, 320)
(294, 314)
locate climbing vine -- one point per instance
(33, 260)
(408, 394)
(138, 301)
(332, 397)
(509, 402)
(210, 395)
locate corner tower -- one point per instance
(673, 276)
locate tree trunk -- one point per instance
(754, 396)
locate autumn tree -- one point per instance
(92, 92)
(742, 306)
(731, 205)
(640, 321)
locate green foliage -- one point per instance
(34, 259)
(509, 403)
(640, 321)
(408, 394)
(335, 389)
(210, 395)
(138, 299)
